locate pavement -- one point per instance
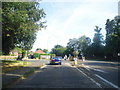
(15, 75)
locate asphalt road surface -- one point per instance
(105, 73)
(86, 75)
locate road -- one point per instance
(103, 72)
(87, 75)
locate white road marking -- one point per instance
(44, 66)
(115, 86)
(89, 78)
(99, 70)
(88, 68)
(12, 74)
(68, 64)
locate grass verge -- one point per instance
(9, 65)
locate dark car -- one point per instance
(56, 60)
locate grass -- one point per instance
(29, 73)
(9, 65)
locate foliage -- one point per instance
(19, 50)
(112, 47)
(83, 43)
(20, 23)
(38, 49)
(45, 50)
(58, 50)
(45, 54)
(36, 55)
(98, 37)
(97, 48)
(78, 46)
(23, 53)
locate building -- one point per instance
(43, 54)
(14, 53)
(40, 52)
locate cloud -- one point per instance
(88, 15)
(79, 0)
(74, 20)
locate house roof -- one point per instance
(39, 51)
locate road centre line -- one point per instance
(115, 86)
(89, 78)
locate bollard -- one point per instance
(75, 61)
(83, 58)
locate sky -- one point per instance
(67, 19)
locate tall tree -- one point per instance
(20, 23)
(73, 44)
(97, 45)
(113, 38)
(83, 43)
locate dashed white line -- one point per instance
(115, 86)
(100, 70)
(89, 78)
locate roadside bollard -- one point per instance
(83, 58)
(75, 61)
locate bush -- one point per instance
(36, 55)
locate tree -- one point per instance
(58, 50)
(38, 49)
(45, 50)
(73, 44)
(98, 37)
(78, 45)
(58, 46)
(112, 47)
(97, 45)
(83, 43)
(19, 50)
(20, 23)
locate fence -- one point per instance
(8, 57)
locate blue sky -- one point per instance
(67, 19)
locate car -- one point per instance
(56, 60)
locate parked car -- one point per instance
(56, 60)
